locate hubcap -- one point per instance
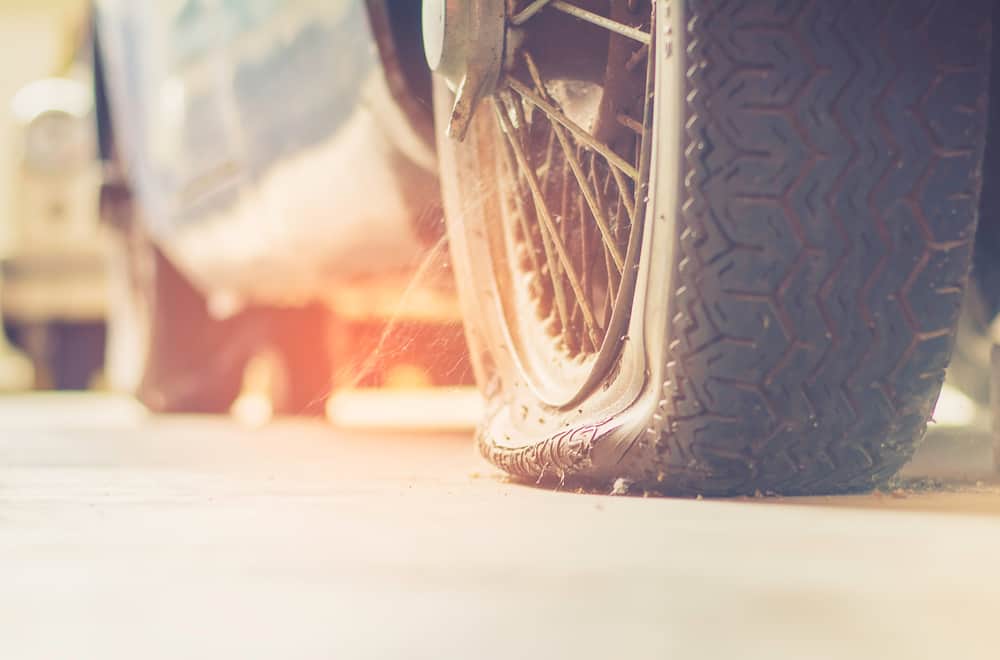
(464, 43)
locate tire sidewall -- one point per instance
(591, 439)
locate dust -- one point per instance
(435, 258)
(439, 347)
(428, 353)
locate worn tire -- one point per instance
(829, 170)
(862, 291)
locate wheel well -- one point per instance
(396, 26)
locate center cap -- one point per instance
(464, 44)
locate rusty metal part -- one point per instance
(464, 43)
(624, 80)
(576, 132)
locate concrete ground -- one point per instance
(123, 536)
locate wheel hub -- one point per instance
(464, 43)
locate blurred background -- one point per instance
(65, 273)
(52, 283)
(44, 35)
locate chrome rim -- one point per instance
(568, 133)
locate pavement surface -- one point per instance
(127, 536)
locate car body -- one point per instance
(267, 143)
(270, 168)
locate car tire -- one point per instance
(811, 206)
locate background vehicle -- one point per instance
(54, 267)
(263, 165)
(701, 247)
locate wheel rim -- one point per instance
(570, 150)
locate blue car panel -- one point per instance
(261, 135)
(213, 94)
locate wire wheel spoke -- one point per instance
(555, 114)
(575, 11)
(588, 194)
(574, 169)
(549, 229)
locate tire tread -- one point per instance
(833, 165)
